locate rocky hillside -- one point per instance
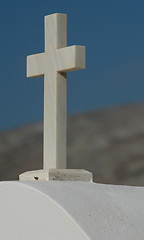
(108, 142)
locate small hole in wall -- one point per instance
(36, 178)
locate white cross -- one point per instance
(54, 63)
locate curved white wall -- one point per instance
(28, 214)
(59, 210)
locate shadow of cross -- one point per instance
(53, 64)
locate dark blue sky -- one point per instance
(113, 33)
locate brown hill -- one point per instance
(108, 142)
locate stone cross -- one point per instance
(53, 64)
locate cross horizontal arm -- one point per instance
(36, 65)
(70, 58)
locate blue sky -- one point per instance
(113, 33)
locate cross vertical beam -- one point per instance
(55, 99)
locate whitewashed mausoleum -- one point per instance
(56, 203)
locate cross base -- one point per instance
(57, 174)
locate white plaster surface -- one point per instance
(70, 210)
